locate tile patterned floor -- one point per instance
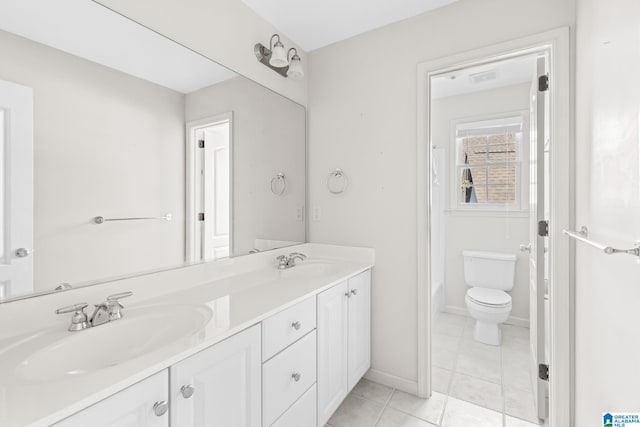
(475, 385)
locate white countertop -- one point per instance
(237, 301)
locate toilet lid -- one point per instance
(489, 296)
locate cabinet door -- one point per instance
(132, 407)
(359, 336)
(220, 386)
(332, 350)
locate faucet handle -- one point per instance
(118, 296)
(73, 308)
(79, 319)
(301, 255)
(114, 306)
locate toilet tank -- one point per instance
(492, 270)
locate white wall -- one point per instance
(105, 144)
(608, 202)
(268, 137)
(485, 230)
(223, 30)
(362, 118)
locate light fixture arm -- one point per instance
(295, 53)
(271, 41)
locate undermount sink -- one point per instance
(309, 269)
(140, 331)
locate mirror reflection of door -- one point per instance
(16, 189)
(211, 143)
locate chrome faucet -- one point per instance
(100, 314)
(103, 313)
(288, 261)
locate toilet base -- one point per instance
(487, 333)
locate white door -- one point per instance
(16, 189)
(144, 404)
(209, 188)
(359, 336)
(216, 181)
(220, 386)
(332, 329)
(538, 240)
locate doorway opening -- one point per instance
(493, 269)
(209, 202)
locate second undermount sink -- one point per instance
(139, 332)
(309, 269)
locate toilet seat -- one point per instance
(489, 297)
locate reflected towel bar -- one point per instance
(101, 219)
(583, 235)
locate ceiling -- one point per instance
(314, 24)
(93, 32)
(505, 73)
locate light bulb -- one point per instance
(278, 56)
(295, 68)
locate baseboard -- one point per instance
(393, 381)
(515, 321)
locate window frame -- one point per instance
(521, 164)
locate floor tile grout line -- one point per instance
(393, 390)
(410, 414)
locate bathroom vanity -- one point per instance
(254, 346)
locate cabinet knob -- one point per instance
(296, 325)
(160, 408)
(187, 391)
(347, 294)
(296, 376)
(22, 252)
(354, 292)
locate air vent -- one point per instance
(483, 77)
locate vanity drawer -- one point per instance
(284, 328)
(279, 385)
(302, 413)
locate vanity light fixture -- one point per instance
(274, 57)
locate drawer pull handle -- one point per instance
(296, 377)
(160, 408)
(187, 391)
(354, 292)
(296, 325)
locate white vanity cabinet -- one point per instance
(144, 404)
(220, 386)
(289, 369)
(344, 341)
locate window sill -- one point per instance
(502, 213)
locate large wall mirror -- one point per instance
(123, 152)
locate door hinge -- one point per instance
(201, 143)
(543, 372)
(543, 228)
(201, 216)
(543, 83)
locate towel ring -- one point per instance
(337, 181)
(274, 184)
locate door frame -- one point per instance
(191, 223)
(562, 209)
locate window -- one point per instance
(488, 163)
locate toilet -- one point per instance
(489, 275)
